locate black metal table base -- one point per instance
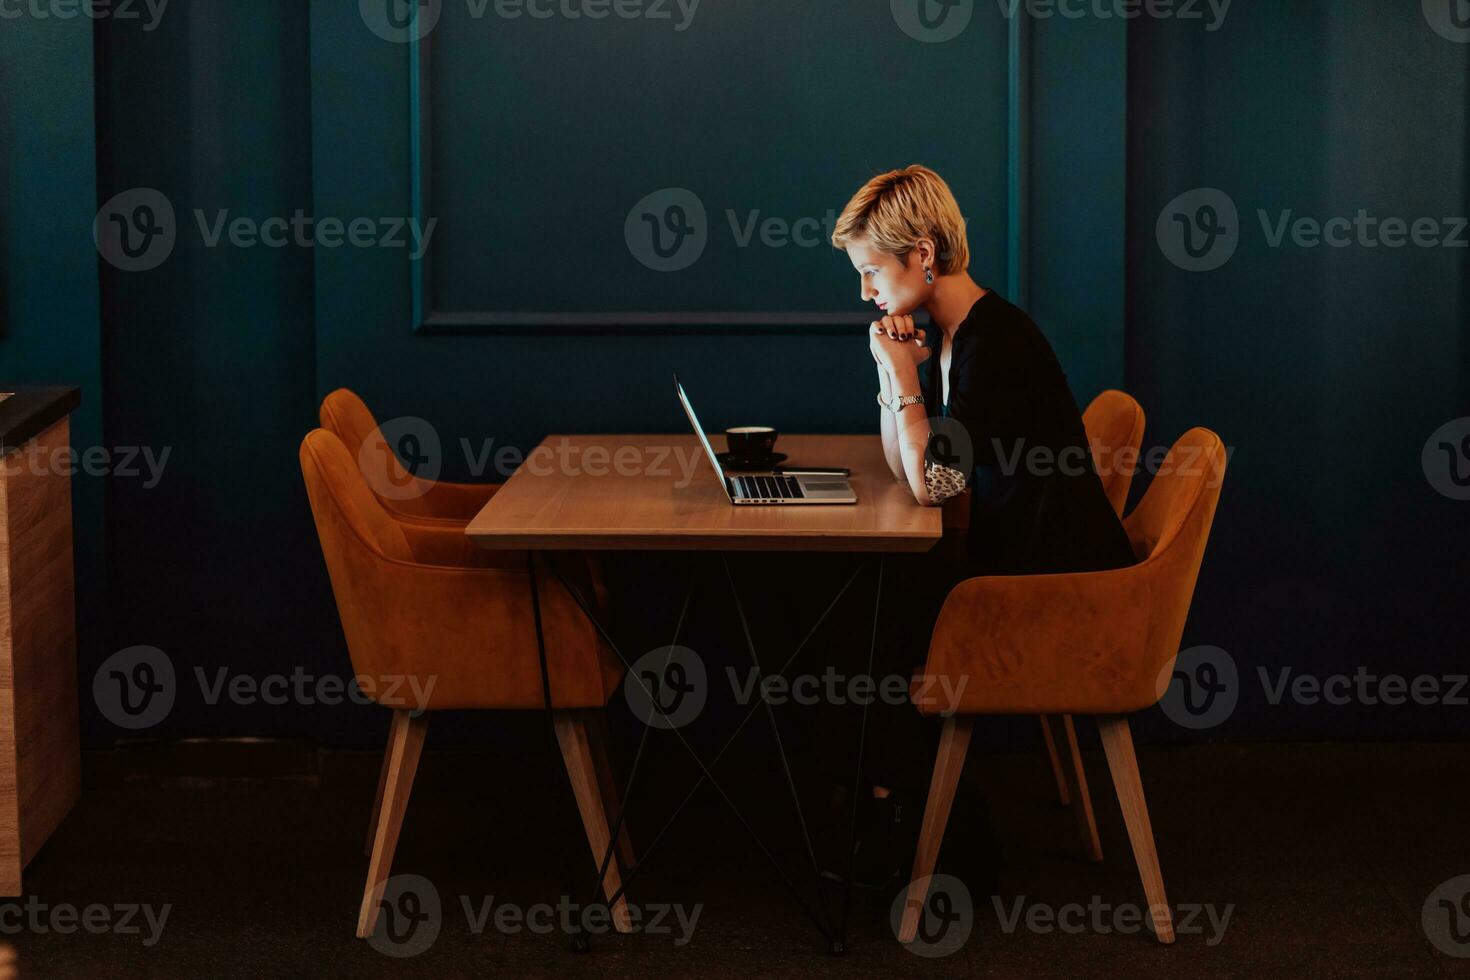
(836, 939)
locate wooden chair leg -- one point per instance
(954, 742)
(1056, 760)
(405, 745)
(367, 847)
(597, 738)
(1118, 744)
(576, 753)
(1086, 822)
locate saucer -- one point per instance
(733, 462)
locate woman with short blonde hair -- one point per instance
(964, 404)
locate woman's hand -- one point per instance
(894, 341)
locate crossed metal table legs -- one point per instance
(836, 938)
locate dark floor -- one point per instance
(1323, 855)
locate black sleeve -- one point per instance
(991, 394)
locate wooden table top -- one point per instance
(637, 492)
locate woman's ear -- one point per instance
(925, 250)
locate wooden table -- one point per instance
(657, 492)
(573, 493)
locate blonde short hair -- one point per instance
(894, 210)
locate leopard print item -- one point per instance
(942, 482)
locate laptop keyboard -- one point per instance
(768, 487)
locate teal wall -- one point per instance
(48, 266)
(495, 384)
(1325, 370)
(212, 355)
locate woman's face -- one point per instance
(895, 285)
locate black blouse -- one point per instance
(1037, 505)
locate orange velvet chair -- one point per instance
(399, 491)
(427, 636)
(433, 512)
(1096, 643)
(1114, 423)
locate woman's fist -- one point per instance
(896, 327)
(894, 339)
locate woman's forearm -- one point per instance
(911, 427)
(888, 427)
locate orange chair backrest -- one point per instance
(356, 533)
(347, 416)
(341, 503)
(1169, 529)
(1114, 423)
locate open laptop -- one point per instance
(790, 486)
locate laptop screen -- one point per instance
(699, 431)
